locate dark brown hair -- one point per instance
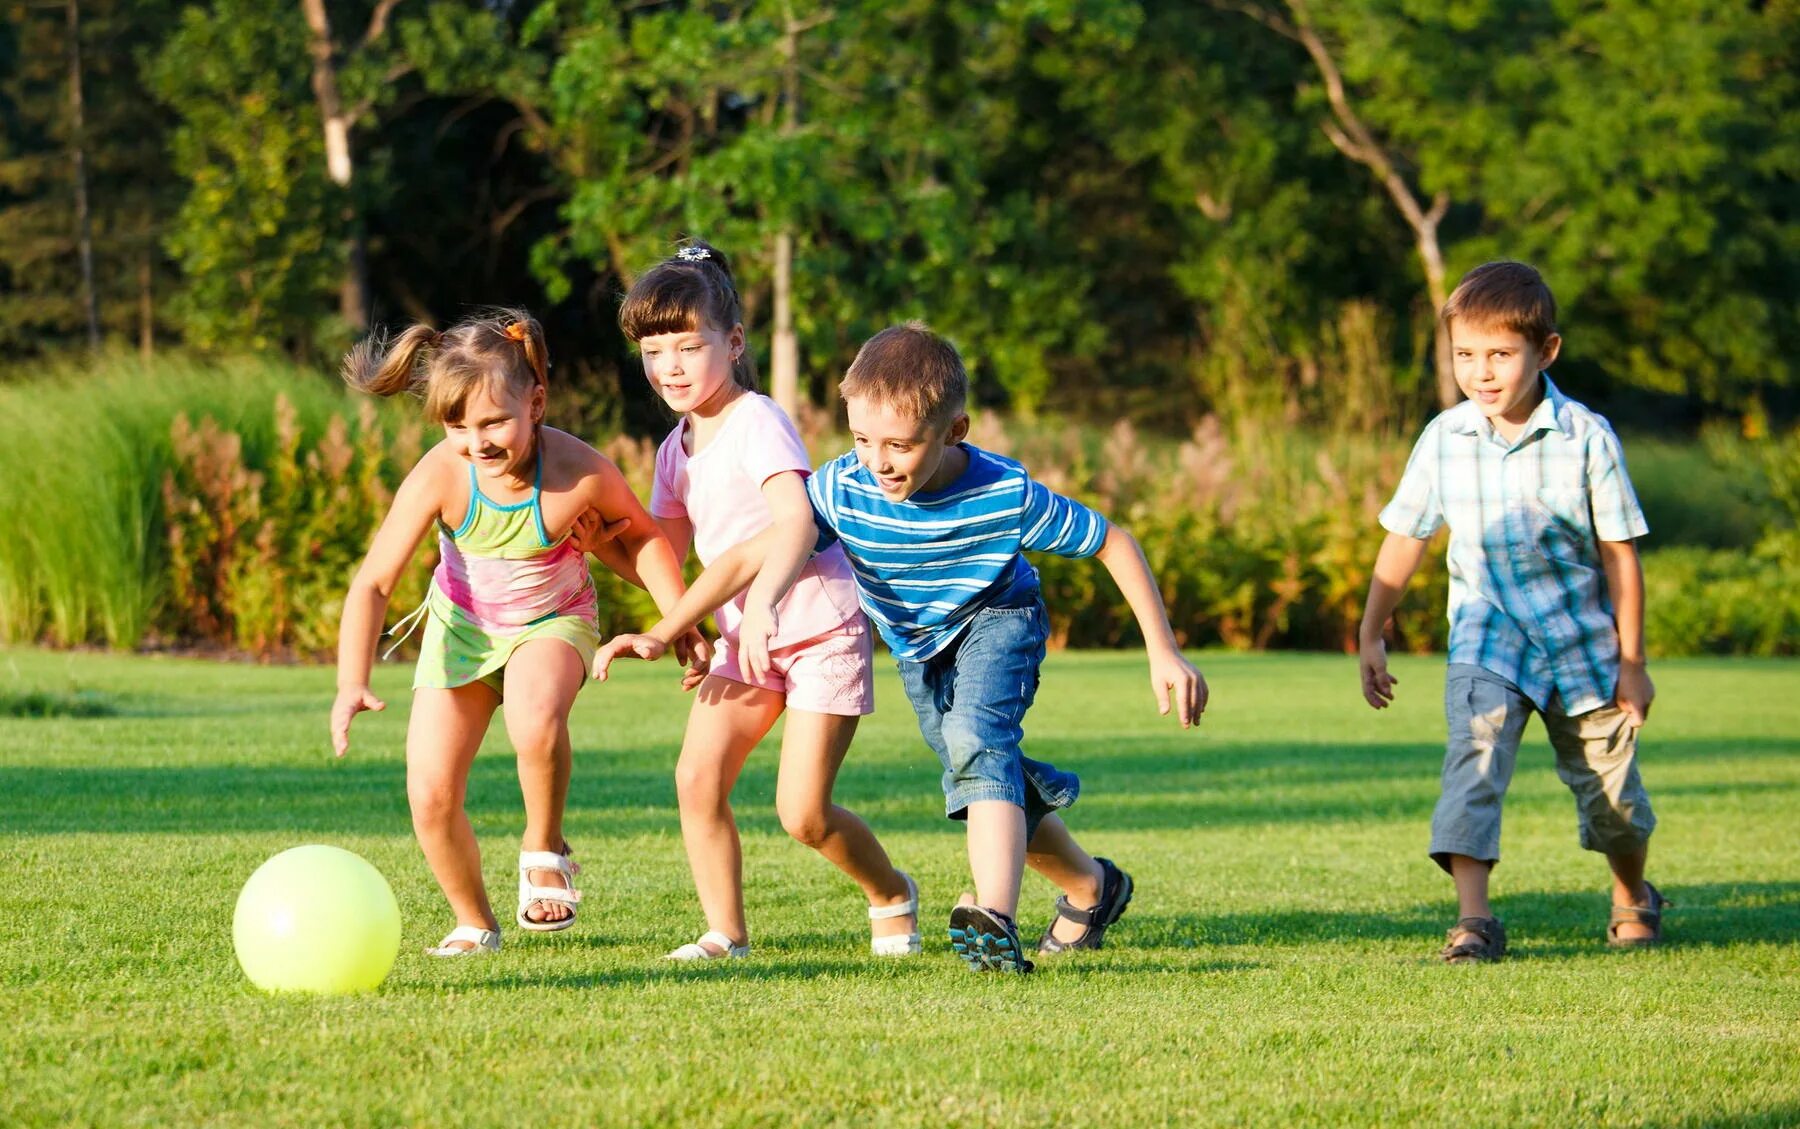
(502, 350)
(683, 293)
(910, 368)
(1505, 295)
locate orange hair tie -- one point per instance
(515, 331)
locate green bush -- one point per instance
(227, 505)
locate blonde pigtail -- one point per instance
(383, 368)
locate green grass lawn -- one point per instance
(1275, 968)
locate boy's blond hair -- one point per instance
(1505, 295)
(912, 369)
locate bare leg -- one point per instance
(1471, 878)
(727, 721)
(812, 750)
(542, 679)
(997, 853)
(442, 736)
(1055, 854)
(1629, 890)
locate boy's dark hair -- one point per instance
(910, 368)
(691, 290)
(1505, 295)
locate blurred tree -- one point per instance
(130, 188)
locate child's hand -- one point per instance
(693, 650)
(1175, 680)
(1635, 693)
(592, 532)
(647, 647)
(758, 627)
(1377, 684)
(350, 702)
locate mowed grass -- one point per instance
(1276, 967)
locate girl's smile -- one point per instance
(692, 369)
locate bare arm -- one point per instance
(794, 537)
(1171, 675)
(1625, 587)
(416, 504)
(1395, 564)
(730, 573)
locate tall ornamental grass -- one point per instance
(87, 558)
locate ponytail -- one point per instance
(383, 368)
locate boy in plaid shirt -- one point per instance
(1546, 603)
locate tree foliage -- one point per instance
(1141, 207)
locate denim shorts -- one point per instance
(1596, 756)
(971, 699)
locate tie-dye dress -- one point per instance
(499, 583)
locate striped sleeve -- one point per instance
(819, 491)
(1051, 523)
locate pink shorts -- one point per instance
(831, 673)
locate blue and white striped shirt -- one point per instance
(1528, 598)
(926, 565)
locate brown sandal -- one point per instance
(1650, 915)
(1488, 942)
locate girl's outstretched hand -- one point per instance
(350, 702)
(647, 647)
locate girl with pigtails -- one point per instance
(733, 466)
(510, 621)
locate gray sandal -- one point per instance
(1115, 895)
(1486, 943)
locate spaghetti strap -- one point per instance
(537, 496)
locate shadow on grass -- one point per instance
(1539, 924)
(1142, 784)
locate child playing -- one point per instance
(731, 466)
(1546, 603)
(934, 530)
(511, 615)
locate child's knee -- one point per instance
(806, 823)
(433, 802)
(699, 784)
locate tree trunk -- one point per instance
(784, 357)
(353, 291)
(146, 308)
(84, 227)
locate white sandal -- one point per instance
(528, 893)
(898, 944)
(484, 941)
(697, 950)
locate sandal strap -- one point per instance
(909, 906)
(551, 894)
(544, 860)
(1088, 917)
(481, 938)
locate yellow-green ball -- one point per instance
(316, 919)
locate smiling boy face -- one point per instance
(904, 453)
(1498, 368)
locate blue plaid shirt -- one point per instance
(1528, 597)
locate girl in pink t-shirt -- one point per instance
(732, 466)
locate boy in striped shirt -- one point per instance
(934, 529)
(1546, 603)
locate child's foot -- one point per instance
(547, 894)
(1474, 940)
(1081, 921)
(987, 939)
(894, 923)
(712, 945)
(466, 940)
(1637, 922)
